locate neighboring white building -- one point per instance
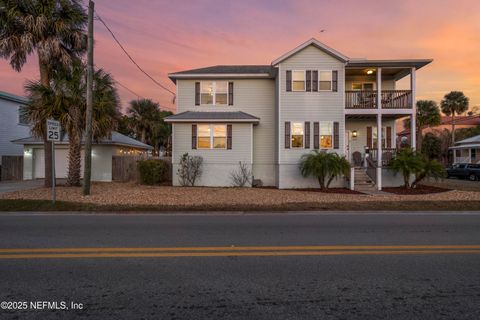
(102, 152)
(268, 116)
(12, 124)
(467, 150)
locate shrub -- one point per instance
(432, 146)
(323, 166)
(409, 163)
(190, 169)
(243, 176)
(152, 171)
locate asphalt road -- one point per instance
(250, 266)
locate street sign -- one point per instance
(53, 130)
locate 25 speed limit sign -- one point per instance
(53, 130)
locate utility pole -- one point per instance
(87, 173)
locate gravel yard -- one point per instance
(134, 194)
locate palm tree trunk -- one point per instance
(47, 145)
(74, 159)
(453, 128)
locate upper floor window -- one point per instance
(362, 86)
(212, 136)
(325, 81)
(298, 80)
(297, 133)
(214, 92)
(326, 135)
(22, 116)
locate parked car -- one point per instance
(464, 171)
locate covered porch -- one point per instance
(467, 150)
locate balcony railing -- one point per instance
(367, 99)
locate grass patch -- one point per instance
(46, 205)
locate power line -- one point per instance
(132, 60)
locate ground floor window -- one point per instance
(375, 138)
(298, 133)
(326, 135)
(212, 136)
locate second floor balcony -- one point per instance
(367, 99)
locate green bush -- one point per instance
(152, 171)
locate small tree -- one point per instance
(430, 168)
(243, 176)
(407, 162)
(190, 169)
(428, 114)
(454, 103)
(432, 146)
(323, 166)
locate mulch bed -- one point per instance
(420, 189)
(329, 190)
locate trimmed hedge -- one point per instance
(152, 171)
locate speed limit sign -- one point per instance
(53, 130)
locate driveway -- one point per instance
(10, 186)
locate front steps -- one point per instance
(363, 183)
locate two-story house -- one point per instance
(267, 116)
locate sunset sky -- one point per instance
(169, 36)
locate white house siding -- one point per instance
(253, 96)
(10, 129)
(388, 83)
(308, 106)
(218, 164)
(359, 143)
(34, 162)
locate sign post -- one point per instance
(53, 134)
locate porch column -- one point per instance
(413, 117)
(379, 128)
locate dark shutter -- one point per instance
(336, 135)
(315, 80)
(316, 135)
(389, 137)
(230, 93)
(194, 136)
(334, 80)
(287, 135)
(197, 93)
(229, 136)
(369, 137)
(307, 135)
(289, 80)
(308, 78)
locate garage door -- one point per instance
(61, 163)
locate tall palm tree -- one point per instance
(454, 103)
(53, 29)
(65, 99)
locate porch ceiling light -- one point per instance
(370, 71)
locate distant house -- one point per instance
(467, 150)
(102, 152)
(12, 124)
(446, 123)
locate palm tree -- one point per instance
(407, 162)
(323, 166)
(454, 103)
(430, 168)
(53, 29)
(65, 99)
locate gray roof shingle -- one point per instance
(116, 139)
(215, 116)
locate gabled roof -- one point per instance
(116, 138)
(215, 116)
(314, 42)
(11, 97)
(226, 71)
(472, 140)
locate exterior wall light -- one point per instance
(354, 133)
